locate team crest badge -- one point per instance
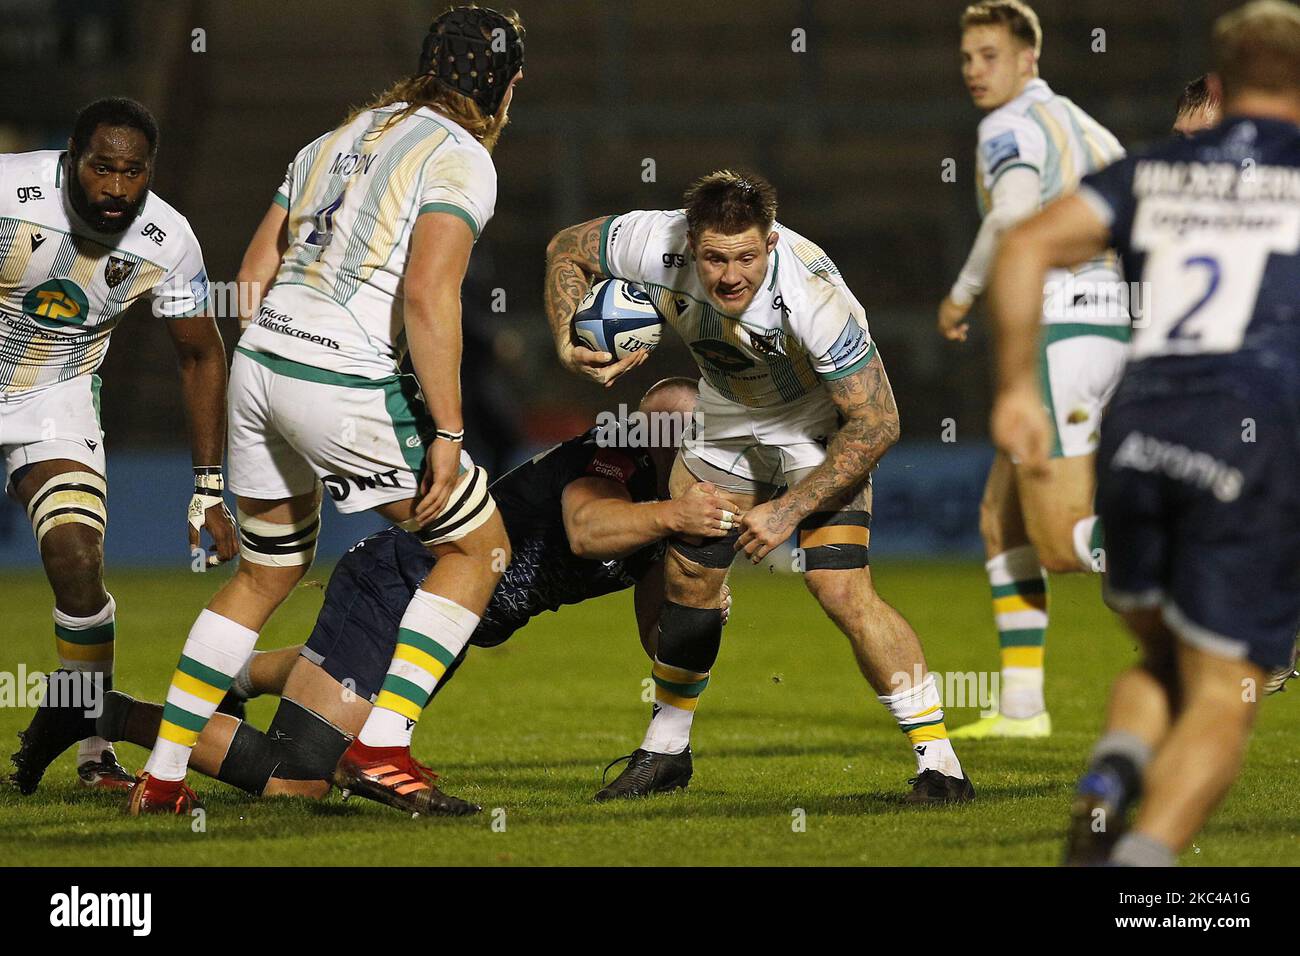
(117, 269)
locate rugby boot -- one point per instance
(151, 795)
(1097, 819)
(999, 725)
(648, 773)
(391, 776)
(931, 786)
(54, 728)
(105, 773)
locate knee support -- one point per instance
(835, 540)
(299, 745)
(74, 497)
(311, 745)
(689, 637)
(717, 553)
(469, 506)
(278, 545)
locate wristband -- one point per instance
(208, 486)
(450, 436)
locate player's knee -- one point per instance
(687, 580)
(1058, 559)
(76, 572)
(839, 591)
(269, 585)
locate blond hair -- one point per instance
(1016, 16)
(1257, 47)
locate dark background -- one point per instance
(853, 132)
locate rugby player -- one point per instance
(1033, 146)
(793, 395)
(1197, 108)
(82, 238)
(364, 247)
(1201, 444)
(586, 518)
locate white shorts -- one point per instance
(1080, 367)
(761, 445)
(292, 425)
(54, 421)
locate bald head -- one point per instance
(670, 395)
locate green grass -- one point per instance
(786, 723)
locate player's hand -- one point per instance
(704, 513)
(763, 528)
(1020, 427)
(220, 526)
(726, 603)
(953, 324)
(599, 367)
(440, 477)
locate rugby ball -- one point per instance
(619, 318)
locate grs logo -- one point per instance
(151, 231)
(674, 260)
(29, 192)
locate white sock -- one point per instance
(86, 647)
(242, 685)
(669, 731)
(215, 650)
(433, 632)
(1021, 694)
(1086, 549)
(919, 713)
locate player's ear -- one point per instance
(772, 237)
(1214, 87)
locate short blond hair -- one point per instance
(1016, 16)
(1257, 47)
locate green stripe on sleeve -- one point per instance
(604, 241)
(855, 367)
(453, 210)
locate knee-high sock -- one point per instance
(433, 632)
(1089, 545)
(689, 640)
(86, 647)
(214, 652)
(1019, 587)
(919, 713)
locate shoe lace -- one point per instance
(617, 760)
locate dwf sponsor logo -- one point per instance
(75, 909)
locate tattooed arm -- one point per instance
(572, 263)
(866, 405)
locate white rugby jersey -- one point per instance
(1049, 134)
(64, 286)
(803, 326)
(353, 196)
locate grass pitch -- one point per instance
(786, 725)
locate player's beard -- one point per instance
(92, 213)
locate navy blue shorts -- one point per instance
(1201, 522)
(356, 631)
